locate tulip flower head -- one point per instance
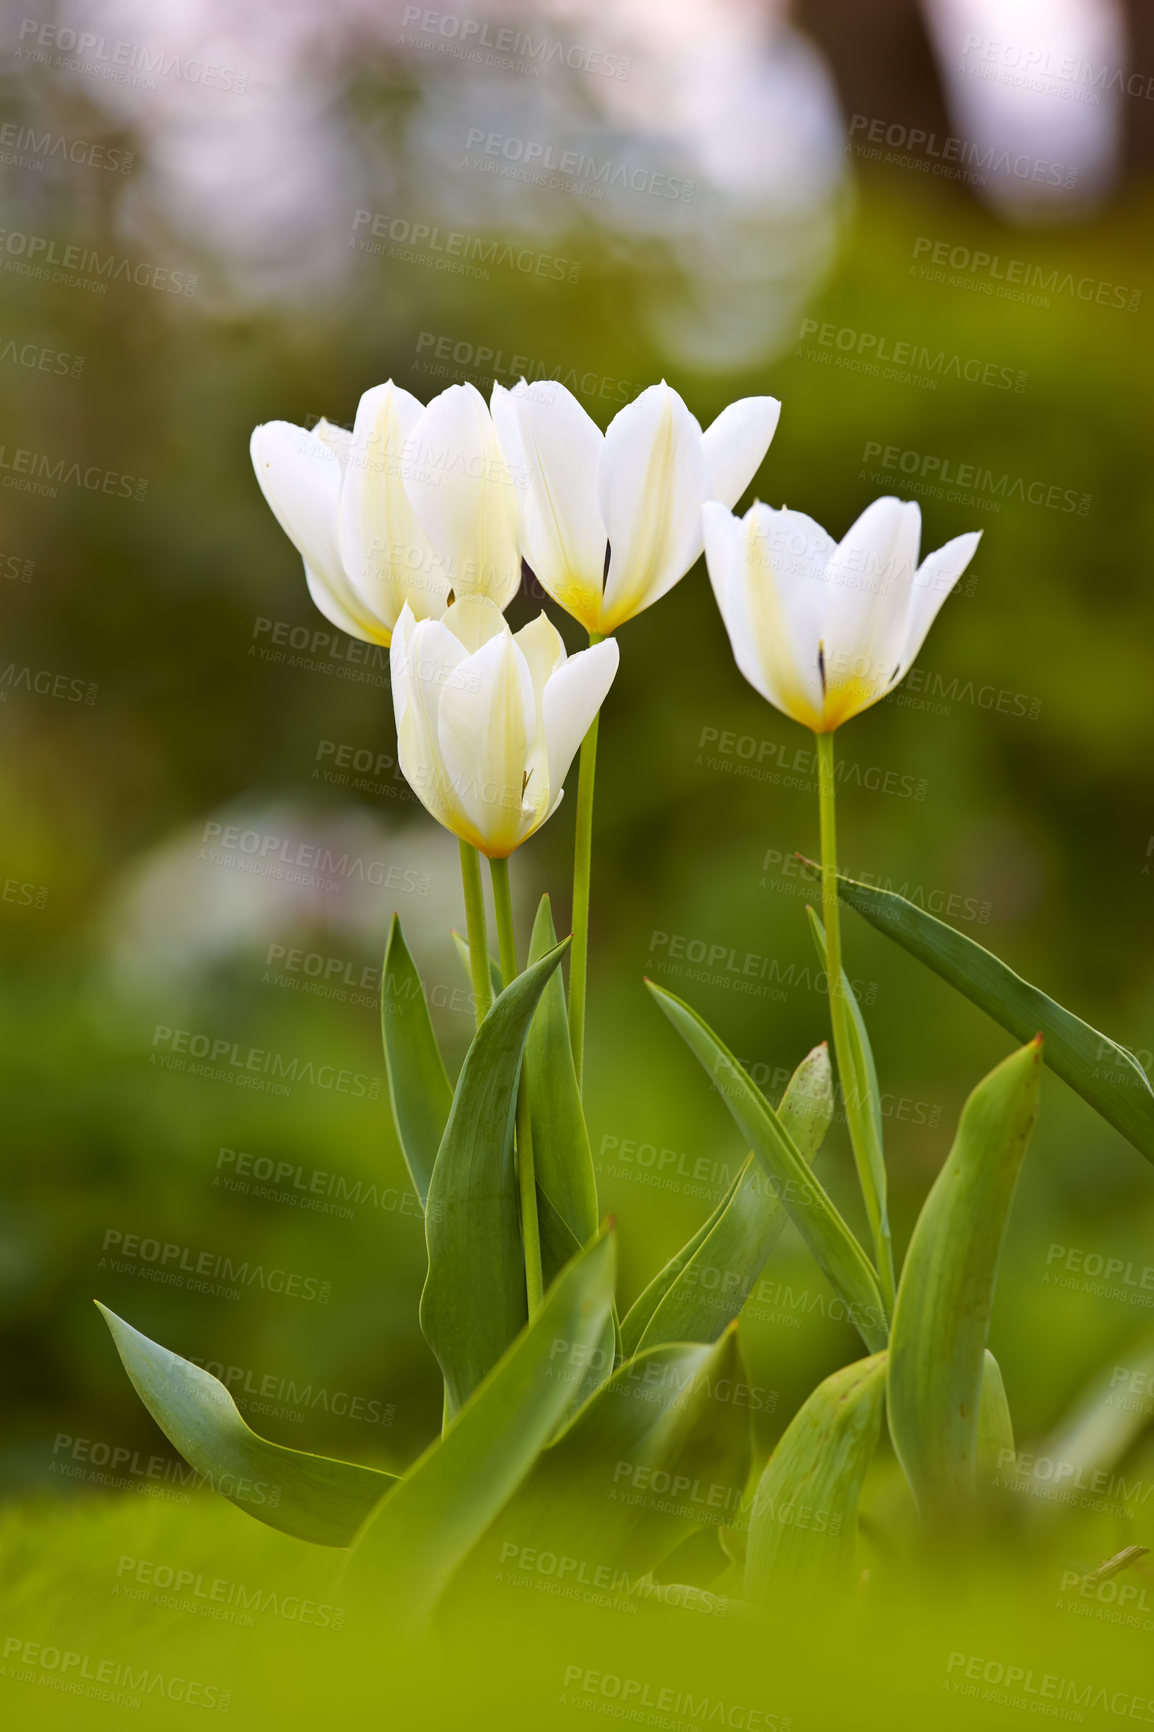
(488, 720)
(413, 505)
(824, 629)
(611, 521)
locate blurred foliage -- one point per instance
(1043, 823)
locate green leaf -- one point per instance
(660, 1449)
(309, 1496)
(562, 1161)
(806, 1201)
(703, 1288)
(863, 1109)
(419, 1086)
(412, 1544)
(803, 1526)
(474, 1302)
(946, 1293)
(995, 1424)
(1106, 1076)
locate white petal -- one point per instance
(563, 537)
(936, 577)
(423, 658)
(300, 476)
(386, 554)
(485, 724)
(463, 491)
(736, 443)
(871, 574)
(573, 695)
(769, 575)
(652, 483)
(474, 619)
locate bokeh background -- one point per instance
(928, 231)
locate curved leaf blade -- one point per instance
(412, 1544)
(806, 1201)
(946, 1293)
(803, 1525)
(1107, 1077)
(474, 1304)
(419, 1086)
(995, 1424)
(659, 1450)
(701, 1290)
(562, 1159)
(312, 1497)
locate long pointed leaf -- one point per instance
(862, 1099)
(703, 1288)
(474, 1302)
(311, 1497)
(413, 1543)
(995, 1425)
(660, 1450)
(419, 1086)
(561, 1156)
(806, 1201)
(803, 1526)
(1106, 1076)
(946, 1294)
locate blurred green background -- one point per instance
(1013, 790)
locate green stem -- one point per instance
(526, 1174)
(872, 1184)
(475, 927)
(582, 865)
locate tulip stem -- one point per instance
(582, 867)
(526, 1174)
(475, 927)
(848, 1043)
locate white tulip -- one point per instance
(823, 629)
(611, 521)
(413, 504)
(488, 720)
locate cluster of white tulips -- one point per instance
(413, 528)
